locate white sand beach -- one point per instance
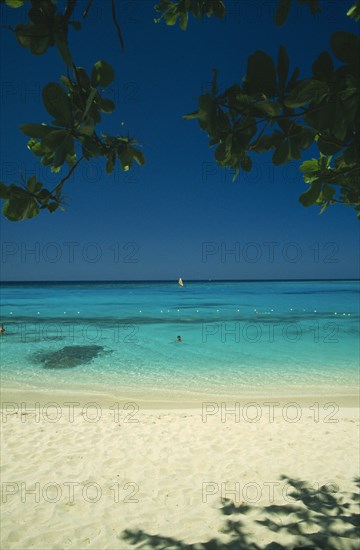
(83, 477)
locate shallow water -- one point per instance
(302, 336)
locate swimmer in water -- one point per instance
(2, 329)
(178, 338)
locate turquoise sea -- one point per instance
(268, 338)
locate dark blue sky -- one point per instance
(180, 215)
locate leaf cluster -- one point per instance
(274, 111)
(26, 202)
(179, 11)
(46, 27)
(270, 111)
(75, 107)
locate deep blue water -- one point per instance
(241, 335)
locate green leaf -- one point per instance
(171, 18)
(308, 91)
(271, 108)
(65, 148)
(346, 47)
(311, 195)
(32, 184)
(53, 140)
(282, 11)
(282, 153)
(191, 116)
(110, 164)
(36, 130)
(34, 37)
(86, 129)
(323, 67)
(35, 147)
(354, 11)
(282, 67)
(89, 101)
(75, 24)
(125, 156)
(306, 137)
(184, 18)
(102, 74)
(14, 3)
(20, 208)
(82, 76)
(37, 16)
(219, 9)
(139, 156)
(328, 192)
(57, 103)
(246, 163)
(267, 142)
(293, 82)
(326, 147)
(4, 191)
(63, 49)
(260, 76)
(221, 154)
(52, 206)
(295, 149)
(309, 168)
(106, 105)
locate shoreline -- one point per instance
(153, 400)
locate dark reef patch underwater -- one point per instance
(68, 357)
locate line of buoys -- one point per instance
(218, 311)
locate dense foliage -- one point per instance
(268, 111)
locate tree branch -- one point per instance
(259, 136)
(117, 26)
(59, 186)
(275, 117)
(87, 9)
(69, 9)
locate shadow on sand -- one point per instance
(316, 519)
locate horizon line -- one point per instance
(174, 280)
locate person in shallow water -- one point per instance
(178, 338)
(2, 329)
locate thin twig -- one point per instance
(87, 9)
(259, 136)
(333, 141)
(274, 117)
(69, 9)
(346, 203)
(69, 174)
(83, 97)
(113, 13)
